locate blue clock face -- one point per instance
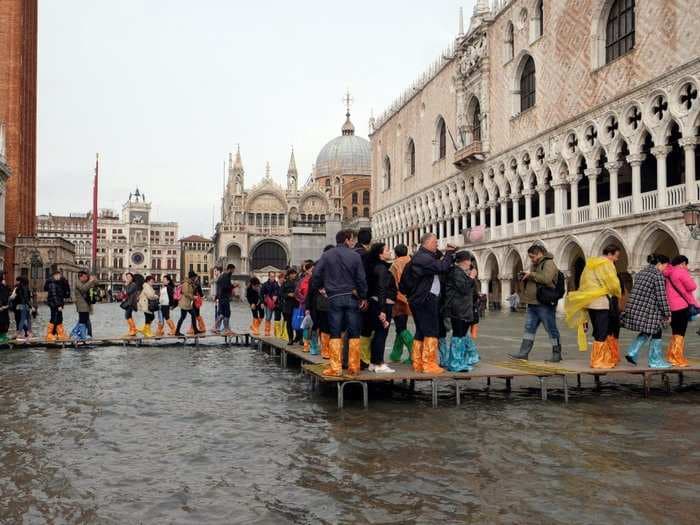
(137, 258)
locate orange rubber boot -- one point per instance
(417, 356)
(354, 352)
(50, 336)
(132, 327)
(160, 330)
(335, 367)
(171, 327)
(430, 356)
(325, 345)
(268, 328)
(601, 356)
(675, 354)
(61, 333)
(201, 325)
(614, 346)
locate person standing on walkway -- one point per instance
(197, 304)
(300, 294)
(271, 295)
(130, 302)
(280, 326)
(362, 247)
(224, 290)
(647, 311)
(185, 303)
(593, 302)
(513, 301)
(84, 299)
(317, 306)
(254, 299)
(216, 273)
(460, 305)
(4, 309)
(341, 274)
(166, 302)
(543, 274)
(55, 299)
(21, 296)
(289, 304)
(421, 283)
(148, 304)
(680, 293)
(381, 289)
(400, 310)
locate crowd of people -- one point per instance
(350, 296)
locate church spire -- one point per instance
(292, 175)
(236, 173)
(348, 128)
(238, 165)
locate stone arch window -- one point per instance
(476, 122)
(354, 197)
(365, 212)
(527, 84)
(411, 158)
(441, 139)
(365, 197)
(387, 173)
(539, 19)
(509, 42)
(354, 211)
(620, 29)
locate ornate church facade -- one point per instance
(270, 226)
(571, 123)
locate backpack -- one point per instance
(177, 295)
(551, 296)
(407, 284)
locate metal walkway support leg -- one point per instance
(647, 384)
(458, 391)
(508, 384)
(341, 392)
(543, 387)
(340, 395)
(565, 382)
(667, 383)
(434, 385)
(597, 381)
(578, 380)
(680, 378)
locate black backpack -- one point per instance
(551, 296)
(407, 284)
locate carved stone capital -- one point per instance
(661, 152)
(636, 159)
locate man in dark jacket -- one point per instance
(543, 272)
(271, 295)
(364, 241)
(341, 274)
(424, 299)
(224, 289)
(55, 289)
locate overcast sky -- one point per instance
(164, 89)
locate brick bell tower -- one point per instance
(18, 64)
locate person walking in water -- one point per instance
(84, 299)
(400, 310)
(680, 292)
(647, 311)
(543, 273)
(187, 289)
(130, 302)
(592, 302)
(55, 299)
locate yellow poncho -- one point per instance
(599, 278)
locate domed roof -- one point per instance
(345, 155)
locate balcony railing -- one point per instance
(468, 154)
(549, 221)
(675, 195)
(604, 210)
(624, 206)
(583, 214)
(649, 200)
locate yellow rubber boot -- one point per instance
(365, 355)
(146, 330)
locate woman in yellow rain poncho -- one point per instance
(599, 282)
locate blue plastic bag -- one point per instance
(297, 318)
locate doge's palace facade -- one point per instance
(572, 123)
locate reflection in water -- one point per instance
(224, 435)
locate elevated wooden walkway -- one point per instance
(507, 370)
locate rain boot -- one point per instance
(472, 352)
(76, 334)
(675, 354)
(407, 338)
(146, 330)
(601, 356)
(268, 327)
(334, 368)
(444, 351)
(474, 331)
(255, 327)
(457, 360)
(4, 338)
(634, 348)
(365, 356)
(201, 325)
(314, 348)
(132, 328)
(61, 333)
(307, 340)
(325, 345)
(556, 354)
(525, 349)
(396, 350)
(171, 327)
(417, 356)
(283, 331)
(656, 358)
(354, 356)
(614, 346)
(50, 336)
(430, 356)
(160, 332)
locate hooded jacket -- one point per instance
(460, 295)
(542, 273)
(680, 288)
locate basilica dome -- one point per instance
(345, 155)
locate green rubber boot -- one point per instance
(407, 339)
(397, 350)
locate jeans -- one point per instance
(25, 320)
(268, 313)
(84, 318)
(540, 313)
(380, 332)
(344, 315)
(427, 318)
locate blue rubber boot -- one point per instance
(458, 361)
(444, 350)
(314, 350)
(656, 358)
(473, 356)
(79, 332)
(634, 348)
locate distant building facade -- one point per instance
(573, 123)
(197, 255)
(75, 228)
(36, 258)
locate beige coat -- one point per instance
(147, 293)
(185, 302)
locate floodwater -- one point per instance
(224, 435)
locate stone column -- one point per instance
(515, 199)
(441, 229)
(613, 169)
(559, 203)
(541, 190)
(504, 216)
(691, 192)
(592, 174)
(661, 152)
(636, 164)
(485, 290)
(492, 218)
(505, 289)
(472, 217)
(464, 221)
(528, 209)
(482, 215)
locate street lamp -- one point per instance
(691, 217)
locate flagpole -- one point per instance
(94, 213)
